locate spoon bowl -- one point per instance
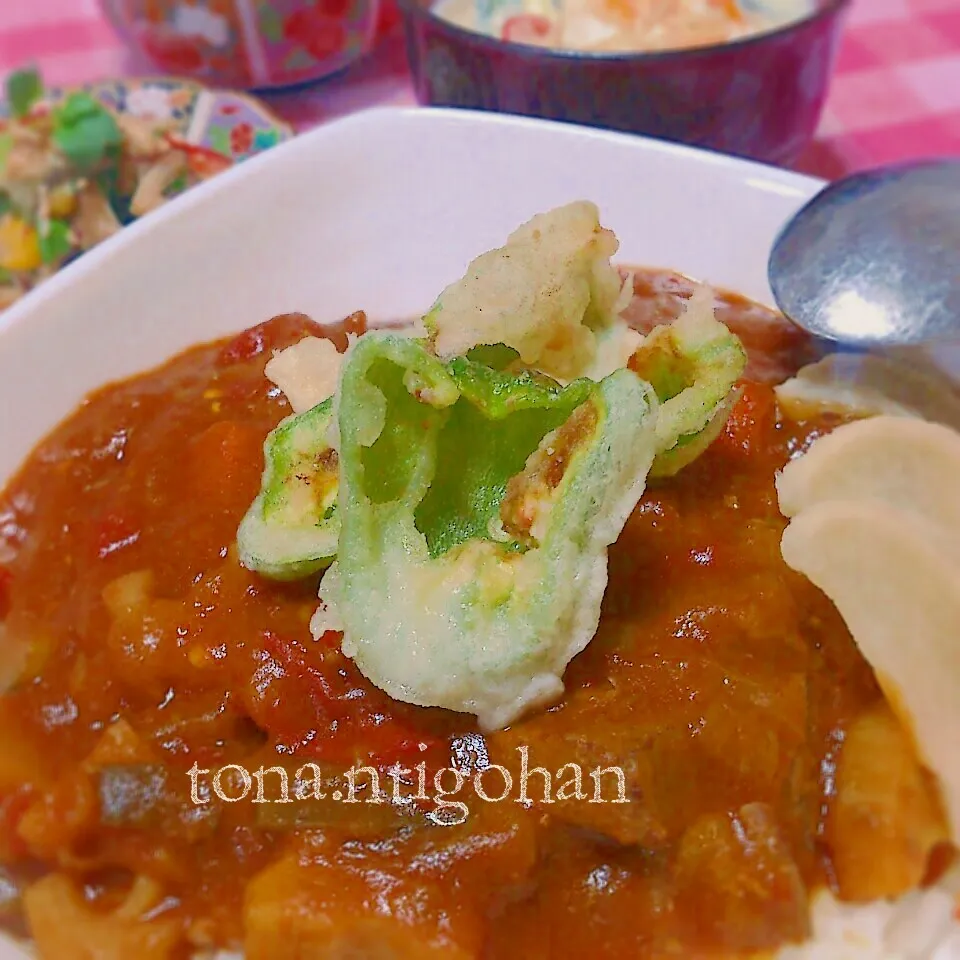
(874, 259)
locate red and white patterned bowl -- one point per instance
(254, 44)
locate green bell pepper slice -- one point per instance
(290, 530)
(693, 365)
(476, 508)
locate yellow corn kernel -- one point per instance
(62, 203)
(19, 245)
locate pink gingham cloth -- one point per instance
(895, 94)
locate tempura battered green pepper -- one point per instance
(476, 509)
(693, 364)
(291, 529)
(470, 494)
(550, 292)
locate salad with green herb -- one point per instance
(73, 171)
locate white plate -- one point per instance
(379, 212)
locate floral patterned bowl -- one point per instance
(225, 122)
(225, 126)
(254, 44)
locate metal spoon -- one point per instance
(874, 259)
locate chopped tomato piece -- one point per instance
(6, 580)
(293, 657)
(202, 161)
(281, 331)
(244, 346)
(527, 28)
(115, 532)
(341, 719)
(751, 419)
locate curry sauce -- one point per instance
(136, 647)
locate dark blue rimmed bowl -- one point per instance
(759, 97)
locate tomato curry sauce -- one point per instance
(135, 646)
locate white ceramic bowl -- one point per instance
(378, 212)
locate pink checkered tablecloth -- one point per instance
(895, 95)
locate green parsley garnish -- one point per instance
(85, 132)
(24, 89)
(55, 243)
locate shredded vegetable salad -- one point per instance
(621, 25)
(73, 171)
